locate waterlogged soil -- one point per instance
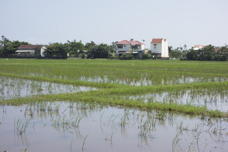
(64, 126)
(151, 81)
(14, 88)
(212, 99)
(143, 80)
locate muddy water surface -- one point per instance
(212, 99)
(14, 88)
(63, 126)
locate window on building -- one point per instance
(155, 46)
(120, 46)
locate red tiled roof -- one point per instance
(136, 43)
(123, 42)
(157, 40)
(199, 46)
(131, 42)
(29, 47)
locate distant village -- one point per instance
(159, 48)
(123, 49)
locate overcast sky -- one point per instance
(104, 21)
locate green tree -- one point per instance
(74, 48)
(100, 51)
(208, 53)
(175, 53)
(8, 48)
(56, 50)
(192, 55)
(222, 54)
(90, 45)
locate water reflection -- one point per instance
(14, 88)
(212, 99)
(64, 126)
(151, 81)
(136, 79)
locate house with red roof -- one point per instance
(159, 47)
(198, 47)
(31, 51)
(130, 46)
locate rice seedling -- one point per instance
(21, 127)
(159, 72)
(115, 79)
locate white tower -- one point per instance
(159, 46)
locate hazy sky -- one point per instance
(180, 21)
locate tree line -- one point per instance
(70, 48)
(78, 49)
(93, 50)
(207, 53)
(7, 47)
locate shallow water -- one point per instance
(14, 88)
(142, 80)
(148, 82)
(212, 99)
(64, 126)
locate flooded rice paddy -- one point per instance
(64, 126)
(78, 126)
(143, 80)
(151, 81)
(212, 99)
(14, 88)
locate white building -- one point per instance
(159, 47)
(31, 51)
(131, 46)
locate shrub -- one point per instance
(126, 56)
